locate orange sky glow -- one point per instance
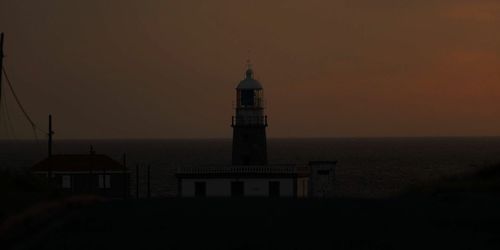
(337, 68)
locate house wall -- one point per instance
(254, 187)
(88, 183)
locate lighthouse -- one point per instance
(250, 175)
(249, 123)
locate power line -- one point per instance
(1, 61)
(26, 115)
(3, 99)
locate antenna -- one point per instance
(249, 64)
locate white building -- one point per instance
(313, 180)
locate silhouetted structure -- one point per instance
(89, 174)
(250, 174)
(300, 181)
(50, 134)
(249, 123)
(239, 181)
(86, 173)
(1, 63)
(322, 177)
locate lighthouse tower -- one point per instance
(249, 123)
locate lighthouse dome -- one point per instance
(249, 82)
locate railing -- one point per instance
(244, 170)
(249, 120)
(256, 105)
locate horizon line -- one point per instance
(271, 138)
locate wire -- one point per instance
(17, 99)
(26, 115)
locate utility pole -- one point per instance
(137, 181)
(50, 147)
(50, 135)
(125, 177)
(1, 64)
(149, 181)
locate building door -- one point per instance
(200, 189)
(237, 189)
(274, 189)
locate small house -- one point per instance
(85, 174)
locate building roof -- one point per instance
(249, 82)
(88, 162)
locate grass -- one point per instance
(19, 191)
(455, 213)
(484, 181)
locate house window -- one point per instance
(200, 189)
(274, 189)
(104, 181)
(66, 181)
(237, 189)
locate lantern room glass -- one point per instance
(250, 98)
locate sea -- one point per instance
(367, 167)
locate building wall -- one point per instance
(88, 183)
(254, 187)
(322, 179)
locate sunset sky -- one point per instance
(335, 68)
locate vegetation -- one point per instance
(19, 191)
(483, 182)
(456, 213)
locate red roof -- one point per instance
(89, 162)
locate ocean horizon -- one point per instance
(371, 167)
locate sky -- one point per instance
(335, 68)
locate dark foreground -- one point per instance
(440, 223)
(454, 214)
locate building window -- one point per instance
(247, 97)
(66, 181)
(323, 172)
(237, 189)
(200, 189)
(246, 160)
(274, 189)
(104, 181)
